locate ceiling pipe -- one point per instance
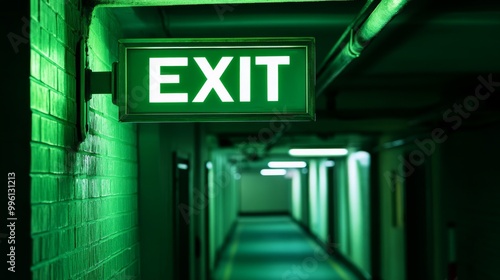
(355, 39)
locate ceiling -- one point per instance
(425, 59)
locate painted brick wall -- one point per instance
(83, 196)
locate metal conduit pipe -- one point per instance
(356, 38)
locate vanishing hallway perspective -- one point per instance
(275, 247)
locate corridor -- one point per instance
(275, 247)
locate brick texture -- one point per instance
(83, 196)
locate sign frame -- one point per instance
(126, 45)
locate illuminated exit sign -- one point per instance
(236, 79)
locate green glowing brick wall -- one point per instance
(83, 197)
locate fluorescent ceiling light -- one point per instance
(329, 163)
(287, 164)
(273, 172)
(312, 152)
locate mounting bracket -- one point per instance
(88, 84)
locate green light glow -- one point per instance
(182, 166)
(273, 172)
(313, 152)
(313, 196)
(329, 163)
(209, 165)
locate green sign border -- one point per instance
(167, 43)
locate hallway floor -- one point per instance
(271, 247)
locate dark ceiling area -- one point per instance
(427, 58)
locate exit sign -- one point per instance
(234, 79)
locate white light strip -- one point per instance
(182, 166)
(287, 164)
(273, 172)
(317, 152)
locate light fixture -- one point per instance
(329, 163)
(287, 164)
(273, 172)
(209, 165)
(315, 152)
